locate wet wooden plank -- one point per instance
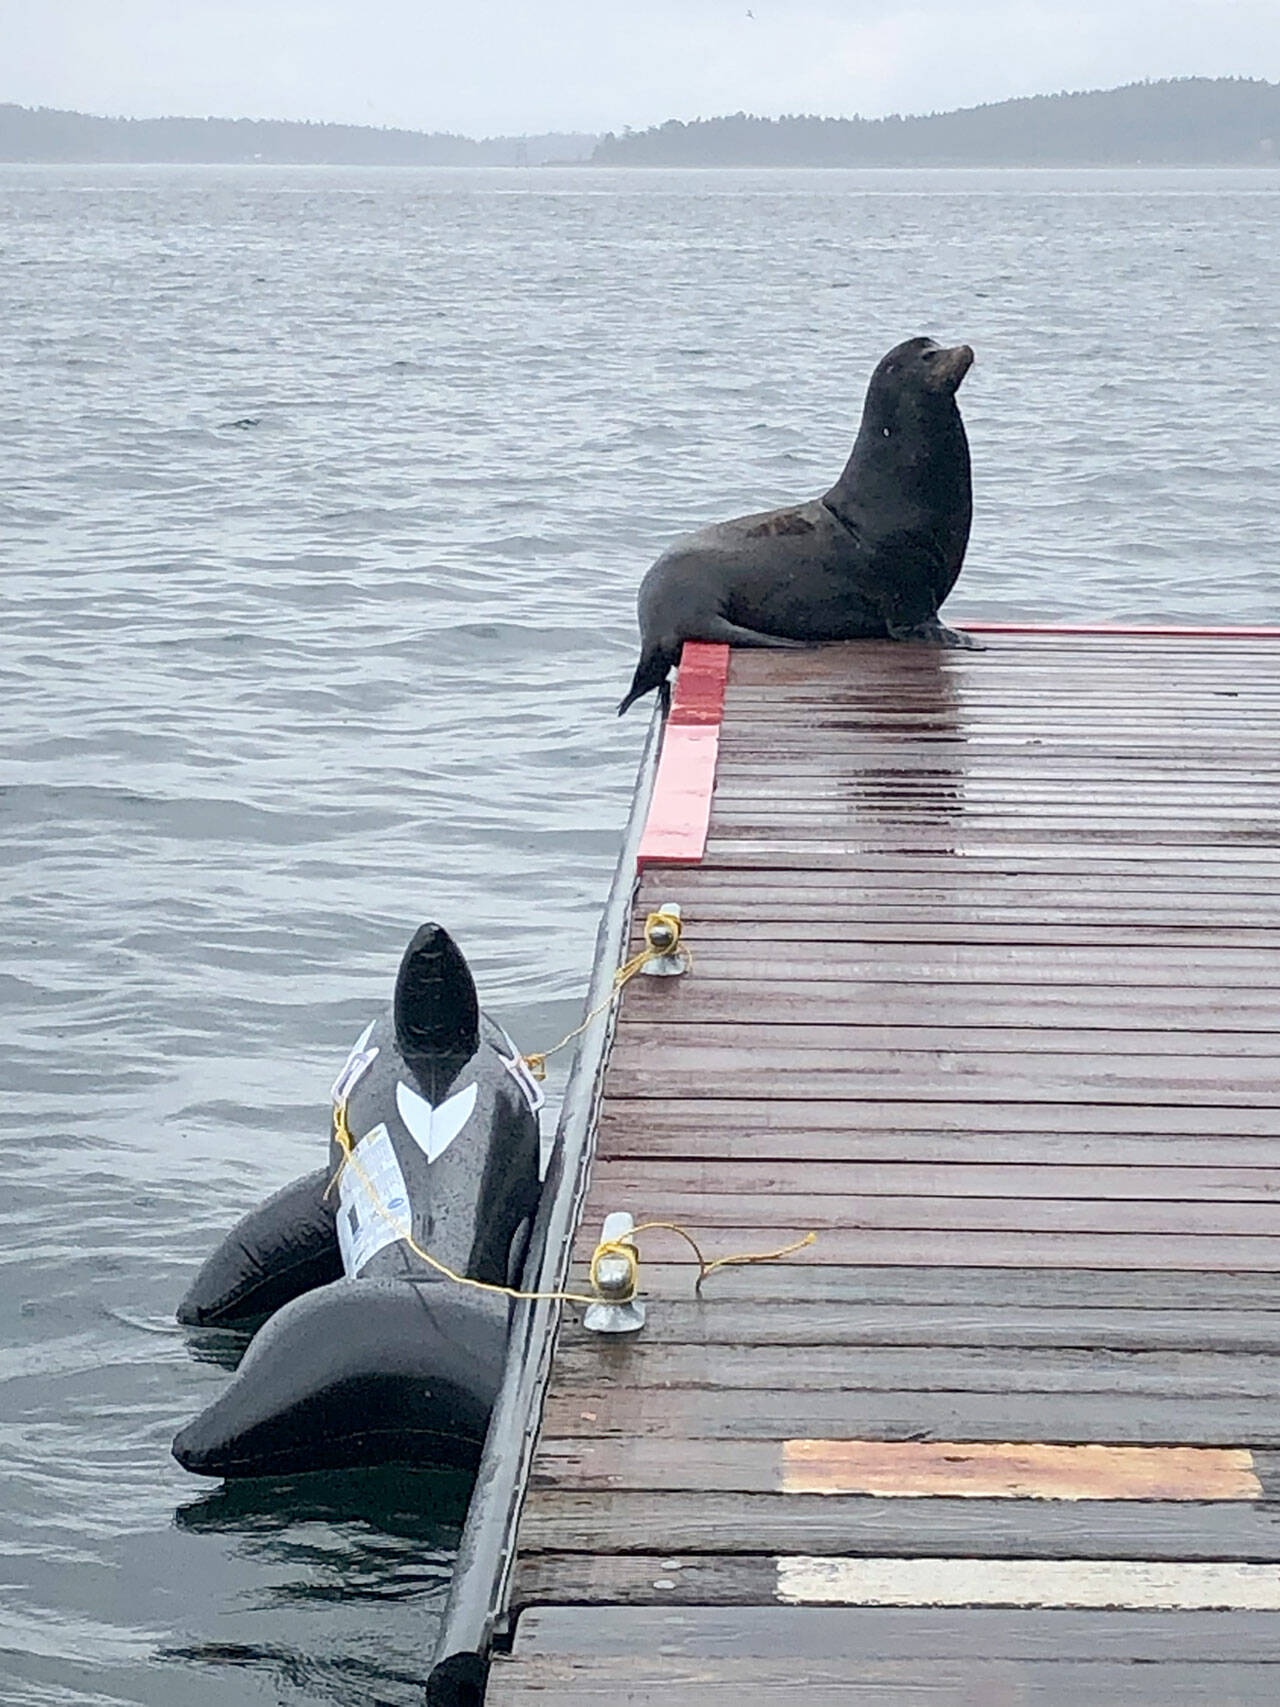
(849, 851)
(923, 916)
(638, 1681)
(731, 1415)
(721, 1177)
(872, 724)
(873, 721)
(1020, 716)
(819, 796)
(910, 1469)
(716, 1317)
(828, 926)
(766, 1630)
(863, 1369)
(956, 1005)
(701, 1582)
(856, 1526)
(715, 1115)
(880, 881)
(1194, 965)
(1023, 1470)
(1176, 1248)
(1248, 753)
(644, 1066)
(917, 909)
(632, 1136)
(956, 830)
(934, 1291)
(1149, 1084)
(649, 1027)
(741, 756)
(843, 1217)
(758, 1414)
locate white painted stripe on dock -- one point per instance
(1130, 1584)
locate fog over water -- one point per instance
(326, 497)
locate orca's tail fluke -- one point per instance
(358, 1372)
(651, 672)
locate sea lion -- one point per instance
(372, 1356)
(872, 558)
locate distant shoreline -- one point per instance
(1259, 167)
(1182, 123)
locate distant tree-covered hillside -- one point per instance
(44, 133)
(1193, 121)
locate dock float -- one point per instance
(984, 991)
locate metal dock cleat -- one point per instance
(662, 936)
(613, 1279)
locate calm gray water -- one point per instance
(325, 495)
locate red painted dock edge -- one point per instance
(675, 832)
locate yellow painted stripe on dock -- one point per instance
(1017, 1470)
(1128, 1584)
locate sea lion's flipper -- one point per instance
(651, 672)
(935, 633)
(285, 1247)
(361, 1372)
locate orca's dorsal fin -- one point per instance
(436, 1010)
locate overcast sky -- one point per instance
(488, 66)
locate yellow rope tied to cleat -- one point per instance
(607, 1248)
(661, 942)
(627, 1251)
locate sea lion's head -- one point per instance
(920, 365)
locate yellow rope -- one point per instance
(606, 1248)
(662, 932)
(345, 1142)
(624, 1248)
(661, 942)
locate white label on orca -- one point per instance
(354, 1066)
(434, 1129)
(364, 1229)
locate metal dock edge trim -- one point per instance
(486, 1551)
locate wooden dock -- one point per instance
(985, 990)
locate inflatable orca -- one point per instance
(370, 1355)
